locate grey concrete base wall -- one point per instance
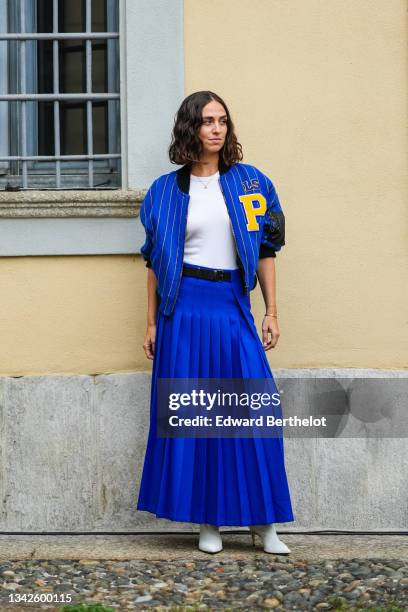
(72, 450)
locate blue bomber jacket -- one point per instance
(257, 220)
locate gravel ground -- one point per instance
(262, 582)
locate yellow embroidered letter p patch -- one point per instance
(252, 211)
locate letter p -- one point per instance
(252, 212)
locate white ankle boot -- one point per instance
(270, 539)
(210, 538)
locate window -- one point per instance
(59, 94)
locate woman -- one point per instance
(212, 228)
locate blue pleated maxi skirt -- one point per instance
(222, 481)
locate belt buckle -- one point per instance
(218, 275)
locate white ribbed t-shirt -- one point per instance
(209, 240)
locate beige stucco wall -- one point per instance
(73, 314)
(318, 93)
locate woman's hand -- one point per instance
(149, 341)
(270, 326)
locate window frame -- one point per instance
(24, 121)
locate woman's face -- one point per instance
(214, 127)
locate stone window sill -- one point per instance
(84, 203)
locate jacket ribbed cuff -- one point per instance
(266, 251)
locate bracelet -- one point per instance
(270, 315)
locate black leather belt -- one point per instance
(208, 273)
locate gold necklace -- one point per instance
(205, 185)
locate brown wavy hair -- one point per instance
(186, 146)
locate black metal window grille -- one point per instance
(59, 94)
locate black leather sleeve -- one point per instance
(274, 228)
